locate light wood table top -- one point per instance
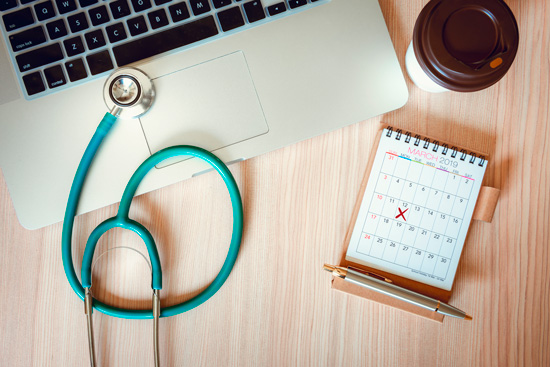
(277, 307)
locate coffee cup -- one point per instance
(462, 45)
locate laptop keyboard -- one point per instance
(56, 44)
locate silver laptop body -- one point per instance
(241, 93)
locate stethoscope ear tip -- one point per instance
(128, 93)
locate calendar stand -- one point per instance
(484, 210)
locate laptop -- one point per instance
(237, 77)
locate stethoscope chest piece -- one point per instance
(128, 93)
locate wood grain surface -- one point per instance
(277, 307)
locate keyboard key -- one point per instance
(39, 57)
(74, 46)
(161, 2)
(24, 2)
(221, 3)
(141, 5)
(137, 25)
(99, 62)
(78, 22)
(164, 41)
(65, 6)
(18, 19)
(116, 32)
(95, 39)
(7, 4)
(200, 6)
(76, 70)
(119, 9)
(98, 15)
(33, 83)
(55, 77)
(254, 11)
(158, 18)
(85, 3)
(296, 3)
(56, 29)
(179, 12)
(44, 10)
(231, 19)
(29, 38)
(276, 9)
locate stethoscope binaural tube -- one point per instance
(72, 204)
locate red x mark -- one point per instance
(401, 214)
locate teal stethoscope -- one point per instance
(129, 93)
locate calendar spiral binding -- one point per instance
(435, 146)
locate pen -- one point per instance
(392, 290)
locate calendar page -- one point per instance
(416, 209)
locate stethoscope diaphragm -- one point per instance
(128, 93)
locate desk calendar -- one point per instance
(416, 209)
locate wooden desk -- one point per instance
(277, 308)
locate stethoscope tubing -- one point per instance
(76, 189)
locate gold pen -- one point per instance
(384, 286)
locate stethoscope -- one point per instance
(129, 93)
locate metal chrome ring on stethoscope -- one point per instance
(128, 93)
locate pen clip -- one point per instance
(371, 274)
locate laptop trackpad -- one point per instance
(211, 105)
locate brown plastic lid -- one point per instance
(465, 45)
